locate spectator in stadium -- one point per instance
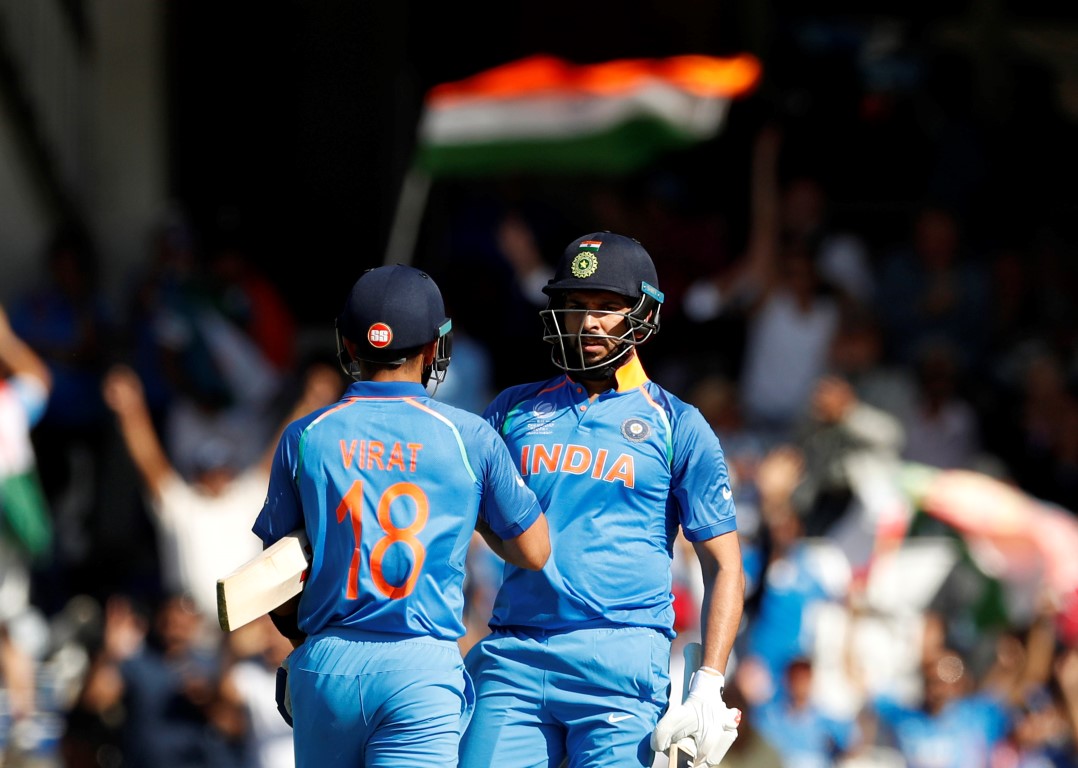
(203, 524)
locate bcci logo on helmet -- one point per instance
(584, 265)
(379, 335)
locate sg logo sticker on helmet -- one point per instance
(379, 335)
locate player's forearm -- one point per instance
(496, 545)
(285, 618)
(724, 596)
(720, 612)
(530, 549)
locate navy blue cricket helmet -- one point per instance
(390, 312)
(602, 261)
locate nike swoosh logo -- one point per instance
(617, 718)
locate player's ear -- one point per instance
(348, 357)
(430, 350)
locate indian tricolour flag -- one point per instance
(545, 115)
(24, 518)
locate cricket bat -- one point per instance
(693, 653)
(264, 582)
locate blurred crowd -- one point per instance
(900, 418)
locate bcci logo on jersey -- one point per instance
(635, 430)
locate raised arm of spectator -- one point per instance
(765, 224)
(123, 393)
(1066, 672)
(744, 285)
(1023, 661)
(322, 385)
(17, 358)
(124, 633)
(17, 669)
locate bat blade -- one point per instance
(264, 582)
(693, 654)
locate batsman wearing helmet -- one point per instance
(388, 485)
(576, 665)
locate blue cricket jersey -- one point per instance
(616, 477)
(388, 484)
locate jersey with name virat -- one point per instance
(617, 475)
(388, 484)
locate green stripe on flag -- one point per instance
(623, 149)
(24, 514)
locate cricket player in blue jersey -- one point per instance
(576, 667)
(389, 485)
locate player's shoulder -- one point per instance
(513, 396)
(456, 415)
(672, 403)
(529, 389)
(302, 422)
(686, 420)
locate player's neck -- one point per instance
(386, 375)
(595, 386)
(408, 372)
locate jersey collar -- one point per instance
(386, 389)
(631, 375)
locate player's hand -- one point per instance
(283, 693)
(703, 726)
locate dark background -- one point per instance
(301, 115)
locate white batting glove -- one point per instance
(703, 726)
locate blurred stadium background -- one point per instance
(301, 116)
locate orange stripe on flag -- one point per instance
(701, 75)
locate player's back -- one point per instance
(390, 500)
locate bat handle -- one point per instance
(693, 655)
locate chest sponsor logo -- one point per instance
(573, 459)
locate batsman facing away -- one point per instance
(387, 486)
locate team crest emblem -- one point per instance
(585, 264)
(379, 335)
(635, 430)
